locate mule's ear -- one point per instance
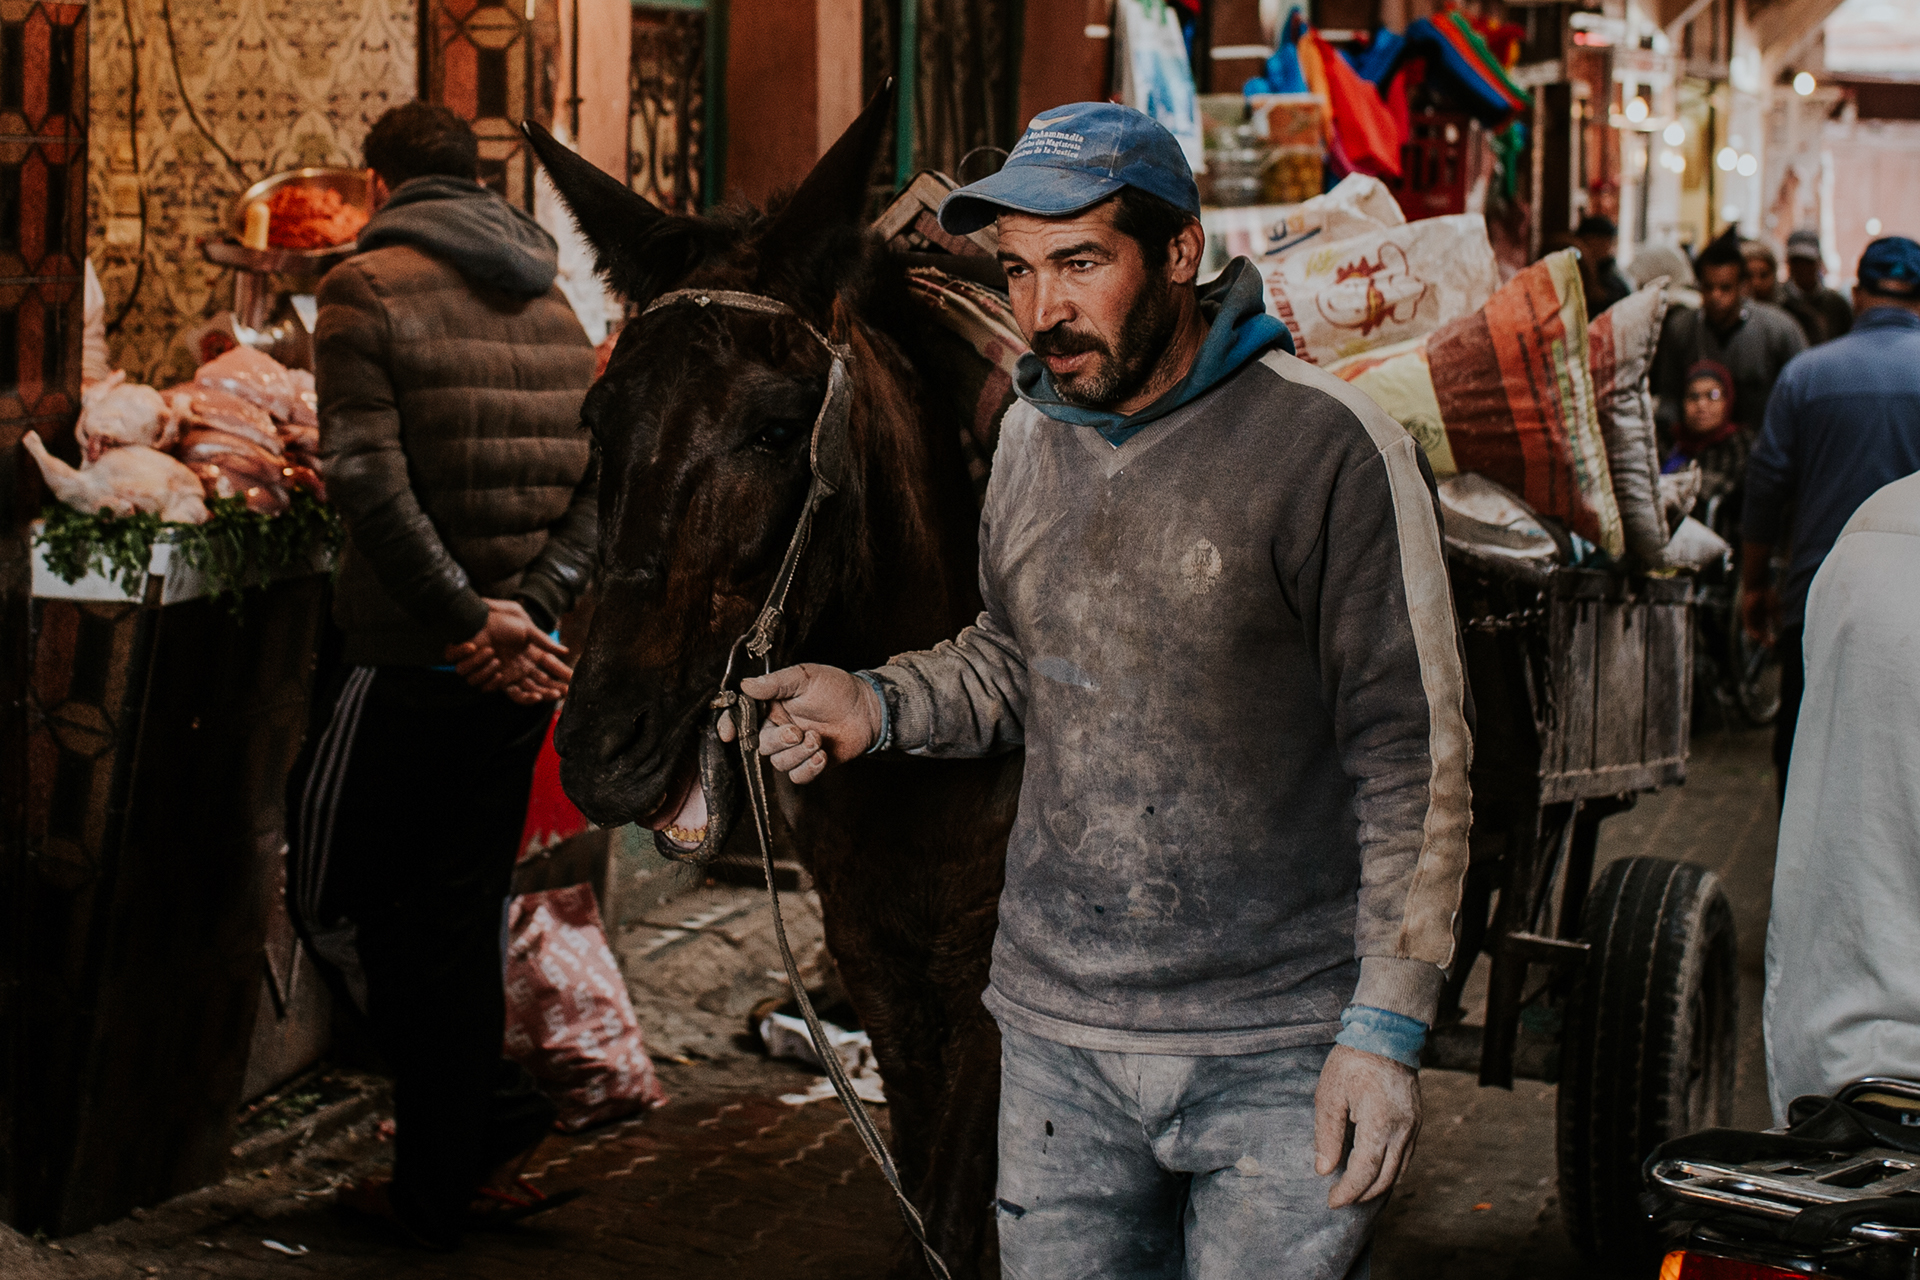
(640, 250)
(829, 203)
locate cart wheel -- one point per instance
(1649, 1048)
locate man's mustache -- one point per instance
(1062, 341)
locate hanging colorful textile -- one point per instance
(1379, 59)
(1365, 126)
(1458, 57)
(1283, 73)
(1152, 72)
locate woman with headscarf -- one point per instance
(1707, 433)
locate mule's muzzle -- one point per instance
(719, 782)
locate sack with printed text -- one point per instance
(1381, 287)
(1506, 392)
(569, 1019)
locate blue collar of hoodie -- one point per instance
(486, 239)
(1235, 303)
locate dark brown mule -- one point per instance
(702, 421)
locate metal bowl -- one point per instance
(354, 185)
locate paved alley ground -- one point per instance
(730, 1183)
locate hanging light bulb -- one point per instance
(1749, 165)
(1674, 134)
(1730, 213)
(1873, 226)
(1637, 109)
(1727, 159)
(1803, 84)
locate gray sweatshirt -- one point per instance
(1228, 647)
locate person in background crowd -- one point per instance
(1843, 936)
(1844, 421)
(1753, 342)
(1708, 434)
(1804, 268)
(1763, 286)
(1239, 846)
(1598, 237)
(450, 372)
(1652, 261)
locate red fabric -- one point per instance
(569, 1020)
(1397, 107)
(551, 817)
(1366, 128)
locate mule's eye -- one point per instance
(778, 435)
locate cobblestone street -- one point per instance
(727, 1181)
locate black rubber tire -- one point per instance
(1648, 1052)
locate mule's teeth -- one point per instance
(682, 835)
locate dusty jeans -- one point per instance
(1135, 1166)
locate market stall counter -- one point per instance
(162, 726)
(179, 583)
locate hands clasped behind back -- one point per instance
(510, 654)
(816, 716)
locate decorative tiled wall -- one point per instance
(187, 113)
(43, 157)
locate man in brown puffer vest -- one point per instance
(450, 373)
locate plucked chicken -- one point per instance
(124, 480)
(114, 412)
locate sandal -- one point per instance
(517, 1205)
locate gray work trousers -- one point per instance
(1138, 1166)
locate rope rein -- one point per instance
(828, 447)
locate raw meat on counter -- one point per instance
(208, 408)
(124, 480)
(263, 381)
(114, 412)
(231, 466)
(245, 427)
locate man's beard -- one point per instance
(1118, 372)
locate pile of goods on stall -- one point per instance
(303, 217)
(1534, 420)
(224, 466)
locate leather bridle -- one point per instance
(827, 461)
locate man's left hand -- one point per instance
(511, 654)
(1381, 1099)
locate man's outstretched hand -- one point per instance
(1382, 1100)
(818, 716)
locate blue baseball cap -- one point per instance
(1071, 158)
(1891, 268)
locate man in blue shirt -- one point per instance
(1843, 420)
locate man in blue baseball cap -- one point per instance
(1218, 620)
(1843, 420)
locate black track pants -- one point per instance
(404, 811)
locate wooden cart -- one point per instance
(1622, 991)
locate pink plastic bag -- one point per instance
(569, 1020)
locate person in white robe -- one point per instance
(1843, 942)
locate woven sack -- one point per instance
(1505, 392)
(1620, 352)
